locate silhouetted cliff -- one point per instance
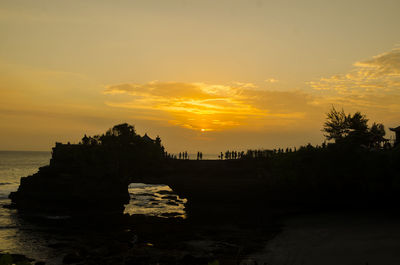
(91, 176)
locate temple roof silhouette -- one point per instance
(147, 138)
(397, 129)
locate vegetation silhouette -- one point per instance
(352, 129)
(124, 135)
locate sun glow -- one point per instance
(206, 107)
(206, 130)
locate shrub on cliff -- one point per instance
(128, 142)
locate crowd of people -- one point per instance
(231, 155)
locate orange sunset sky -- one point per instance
(204, 75)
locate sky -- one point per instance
(203, 75)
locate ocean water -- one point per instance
(155, 200)
(16, 164)
(23, 237)
(15, 236)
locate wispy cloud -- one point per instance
(373, 83)
(207, 107)
(381, 73)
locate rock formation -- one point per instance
(90, 177)
(79, 179)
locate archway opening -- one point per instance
(155, 200)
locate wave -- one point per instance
(6, 188)
(5, 193)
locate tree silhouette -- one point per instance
(122, 134)
(358, 129)
(377, 133)
(336, 126)
(352, 129)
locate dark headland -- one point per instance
(235, 201)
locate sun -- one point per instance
(203, 130)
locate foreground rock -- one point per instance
(151, 240)
(10, 259)
(80, 179)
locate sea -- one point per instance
(19, 236)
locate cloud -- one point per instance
(372, 87)
(372, 83)
(208, 107)
(381, 73)
(383, 65)
(158, 89)
(272, 80)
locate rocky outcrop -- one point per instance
(80, 179)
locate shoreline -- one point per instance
(151, 240)
(146, 240)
